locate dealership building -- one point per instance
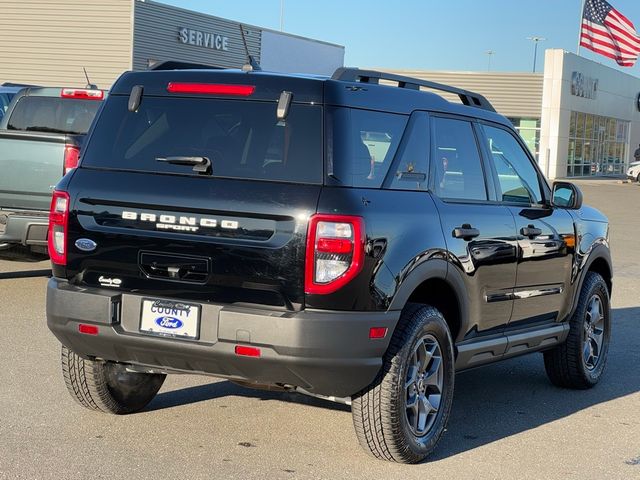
(579, 118)
(49, 42)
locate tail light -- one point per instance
(335, 252)
(71, 157)
(58, 222)
(82, 93)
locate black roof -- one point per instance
(348, 87)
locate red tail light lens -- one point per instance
(71, 157)
(335, 252)
(82, 94)
(211, 89)
(58, 222)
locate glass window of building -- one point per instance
(597, 145)
(529, 130)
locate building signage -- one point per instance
(198, 38)
(583, 86)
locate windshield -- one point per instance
(242, 139)
(54, 115)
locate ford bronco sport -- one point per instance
(356, 238)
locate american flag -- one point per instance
(607, 32)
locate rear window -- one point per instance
(362, 145)
(242, 139)
(54, 115)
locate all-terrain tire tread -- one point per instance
(376, 422)
(563, 364)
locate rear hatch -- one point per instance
(231, 231)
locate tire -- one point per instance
(106, 386)
(386, 425)
(580, 361)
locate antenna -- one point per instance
(89, 84)
(251, 62)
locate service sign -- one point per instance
(198, 38)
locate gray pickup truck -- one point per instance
(40, 138)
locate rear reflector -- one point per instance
(377, 332)
(71, 157)
(82, 94)
(211, 89)
(247, 351)
(88, 329)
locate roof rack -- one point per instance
(468, 98)
(176, 65)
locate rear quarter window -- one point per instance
(242, 139)
(362, 145)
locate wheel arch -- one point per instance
(433, 283)
(599, 261)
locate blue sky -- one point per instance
(426, 34)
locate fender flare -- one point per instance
(598, 251)
(434, 269)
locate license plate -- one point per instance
(169, 318)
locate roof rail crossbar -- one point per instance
(468, 98)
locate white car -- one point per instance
(633, 172)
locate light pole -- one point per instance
(535, 41)
(489, 54)
(281, 15)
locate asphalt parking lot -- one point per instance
(508, 421)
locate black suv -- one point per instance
(353, 237)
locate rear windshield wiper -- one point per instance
(200, 164)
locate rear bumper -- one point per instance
(24, 227)
(323, 352)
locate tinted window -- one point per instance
(242, 139)
(517, 177)
(50, 114)
(457, 165)
(413, 156)
(5, 100)
(362, 145)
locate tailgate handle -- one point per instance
(169, 267)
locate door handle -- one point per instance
(530, 231)
(466, 232)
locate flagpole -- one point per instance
(580, 28)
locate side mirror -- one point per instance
(566, 195)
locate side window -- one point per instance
(517, 177)
(457, 165)
(362, 145)
(413, 162)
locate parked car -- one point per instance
(633, 172)
(237, 225)
(40, 138)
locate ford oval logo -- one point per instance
(169, 322)
(86, 245)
